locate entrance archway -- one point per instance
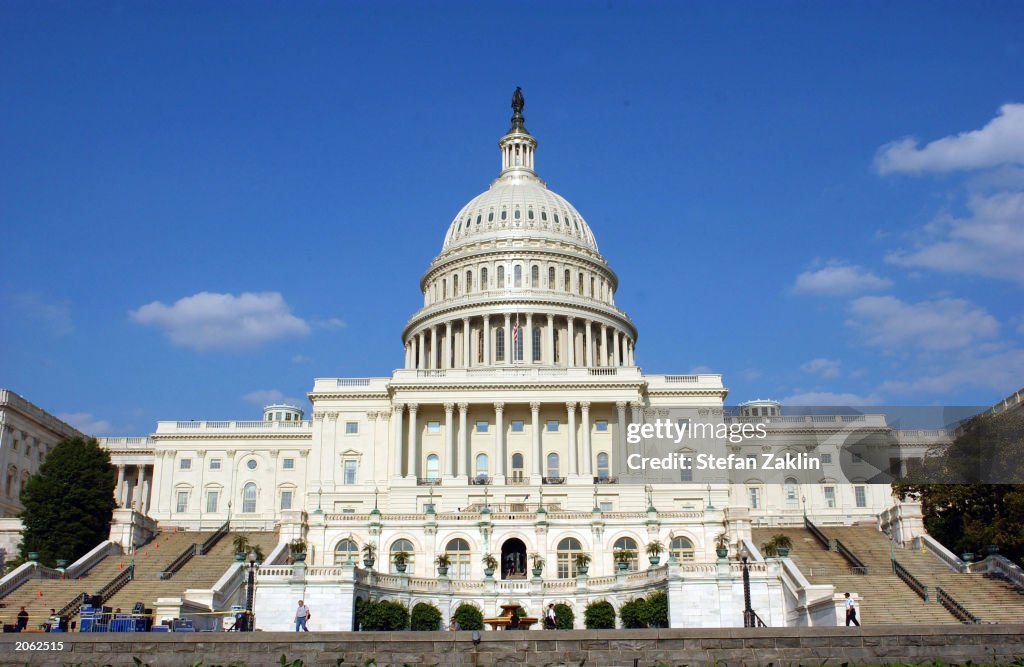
(513, 559)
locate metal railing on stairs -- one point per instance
(106, 592)
(179, 562)
(820, 536)
(212, 540)
(752, 620)
(857, 566)
(909, 579)
(954, 607)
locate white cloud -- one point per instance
(751, 374)
(264, 397)
(702, 369)
(330, 323)
(999, 371)
(301, 359)
(838, 278)
(1000, 142)
(210, 320)
(941, 324)
(53, 316)
(826, 368)
(823, 398)
(85, 422)
(989, 242)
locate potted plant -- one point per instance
(779, 546)
(490, 564)
(654, 550)
(241, 545)
(722, 545)
(967, 556)
(443, 561)
(297, 547)
(369, 555)
(622, 559)
(401, 560)
(538, 563)
(582, 563)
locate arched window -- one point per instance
(551, 277)
(517, 467)
(432, 467)
(627, 544)
(501, 277)
(565, 557)
(347, 551)
(536, 344)
(249, 498)
(483, 278)
(558, 346)
(579, 284)
(592, 292)
(680, 548)
(455, 285)
(553, 466)
(469, 282)
(518, 214)
(481, 466)
(535, 277)
(517, 275)
(444, 288)
(790, 490)
(602, 465)
(457, 551)
(12, 474)
(568, 281)
(480, 347)
(499, 344)
(402, 546)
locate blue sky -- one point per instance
(822, 201)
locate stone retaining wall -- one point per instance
(599, 648)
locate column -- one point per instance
(587, 453)
(570, 407)
(411, 464)
(448, 345)
(140, 498)
(137, 488)
(119, 493)
(421, 363)
(570, 348)
(466, 347)
(499, 439)
(588, 357)
(435, 346)
(147, 494)
(551, 340)
(449, 440)
(617, 362)
(463, 453)
(487, 340)
(528, 347)
(535, 460)
(603, 357)
(396, 420)
(508, 338)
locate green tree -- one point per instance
(469, 617)
(565, 619)
(655, 611)
(632, 613)
(69, 502)
(425, 617)
(970, 492)
(383, 616)
(599, 615)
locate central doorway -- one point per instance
(513, 559)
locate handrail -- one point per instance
(117, 583)
(820, 536)
(179, 562)
(752, 620)
(954, 607)
(17, 577)
(71, 608)
(909, 579)
(212, 540)
(858, 566)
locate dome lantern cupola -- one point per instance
(518, 145)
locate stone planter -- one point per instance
(400, 567)
(61, 563)
(654, 560)
(368, 563)
(33, 556)
(537, 570)
(299, 558)
(722, 552)
(967, 557)
(582, 569)
(239, 557)
(992, 549)
(442, 570)
(622, 566)
(488, 572)
(782, 552)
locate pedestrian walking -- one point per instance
(549, 617)
(302, 615)
(851, 612)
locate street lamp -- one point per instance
(250, 594)
(748, 611)
(710, 506)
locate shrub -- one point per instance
(469, 617)
(425, 617)
(599, 615)
(632, 613)
(384, 616)
(565, 619)
(655, 612)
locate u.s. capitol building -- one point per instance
(504, 433)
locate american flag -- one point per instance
(515, 331)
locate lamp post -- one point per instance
(250, 593)
(710, 506)
(803, 501)
(748, 611)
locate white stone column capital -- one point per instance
(499, 407)
(449, 408)
(463, 407)
(534, 406)
(570, 406)
(585, 406)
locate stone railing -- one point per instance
(1002, 567)
(81, 566)
(216, 427)
(813, 421)
(519, 373)
(16, 578)
(126, 444)
(934, 547)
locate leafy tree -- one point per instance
(565, 619)
(599, 615)
(69, 502)
(632, 613)
(425, 617)
(655, 611)
(469, 617)
(384, 615)
(970, 492)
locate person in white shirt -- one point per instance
(851, 612)
(301, 616)
(549, 617)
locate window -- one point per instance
(754, 494)
(499, 344)
(251, 464)
(444, 288)
(455, 285)
(288, 464)
(350, 472)
(182, 505)
(346, 551)
(790, 490)
(481, 427)
(602, 466)
(504, 214)
(565, 557)
(826, 458)
(185, 464)
(351, 428)
(490, 216)
(830, 496)
(552, 425)
(751, 462)
(517, 426)
(406, 546)
(480, 347)
(627, 544)
(517, 343)
(567, 285)
(606, 506)
(686, 474)
(433, 427)
(592, 282)
(501, 277)
(433, 466)
(680, 548)
(579, 284)
(214, 464)
(601, 425)
(517, 276)
(557, 341)
(249, 498)
(517, 467)
(469, 282)
(536, 343)
(481, 465)
(483, 278)
(857, 458)
(535, 276)
(457, 551)
(212, 497)
(552, 466)
(286, 500)
(860, 494)
(551, 277)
